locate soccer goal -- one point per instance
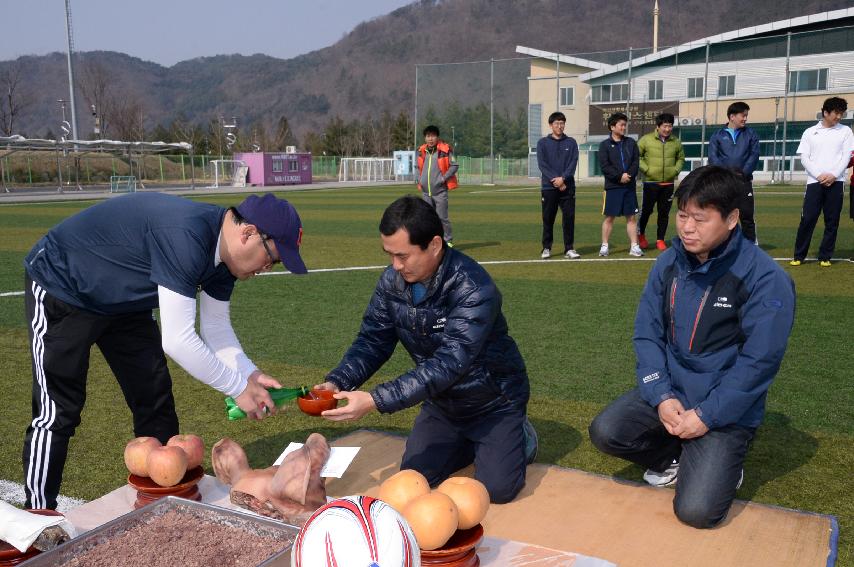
(366, 169)
(228, 173)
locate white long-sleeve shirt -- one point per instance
(214, 358)
(826, 150)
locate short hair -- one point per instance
(414, 215)
(665, 118)
(711, 186)
(616, 117)
(431, 130)
(834, 104)
(737, 107)
(557, 116)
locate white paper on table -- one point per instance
(339, 459)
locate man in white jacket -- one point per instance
(825, 150)
(95, 279)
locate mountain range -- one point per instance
(371, 70)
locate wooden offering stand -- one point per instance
(9, 555)
(147, 491)
(460, 551)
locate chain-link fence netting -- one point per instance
(488, 109)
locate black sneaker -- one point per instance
(531, 441)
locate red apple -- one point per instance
(136, 454)
(167, 465)
(192, 445)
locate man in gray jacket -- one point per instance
(437, 171)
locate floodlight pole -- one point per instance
(491, 121)
(70, 38)
(786, 109)
(705, 90)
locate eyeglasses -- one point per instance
(264, 239)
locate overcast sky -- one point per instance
(170, 31)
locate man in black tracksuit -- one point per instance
(557, 156)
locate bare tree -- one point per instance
(379, 131)
(99, 92)
(13, 97)
(129, 119)
(182, 130)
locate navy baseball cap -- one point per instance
(277, 219)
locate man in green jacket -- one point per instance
(661, 160)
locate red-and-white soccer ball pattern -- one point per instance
(359, 531)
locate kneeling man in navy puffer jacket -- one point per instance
(710, 334)
(469, 375)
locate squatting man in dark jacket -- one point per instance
(710, 334)
(469, 375)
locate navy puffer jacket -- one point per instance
(466, 362)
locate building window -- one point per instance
(656, 90)
(809, 80)
(293, 166)
(726, 85)
(277, 166)
(567, 96)
(610, 93)
(695, 87)
(535, 126)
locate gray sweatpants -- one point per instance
(440, 203)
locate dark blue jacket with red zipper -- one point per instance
(713, 335)
(466, 362)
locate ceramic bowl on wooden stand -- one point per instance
(9, 555)
(147, 491)
(459, 551)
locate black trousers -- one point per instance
(746, 207)
(818, 199)
(61, 337)
(438, 447)
(551, 200)
(655, 194)
(709, 466)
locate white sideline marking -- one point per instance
(484, 263)
(13, 493)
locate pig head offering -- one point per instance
(289, 492)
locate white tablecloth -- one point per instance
(493, 552)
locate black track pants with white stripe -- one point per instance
(61, 337)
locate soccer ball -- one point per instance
(356, 530)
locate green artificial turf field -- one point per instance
(572, 319)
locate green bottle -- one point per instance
(279, 395)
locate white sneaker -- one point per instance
(603, 250)
(547, 253)
(572, 254)
(666, 478)
(636, 251)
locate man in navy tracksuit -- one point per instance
(710, 334)
(557, 156)
(737, 147)
(619, 160)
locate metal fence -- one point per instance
(785, 75)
